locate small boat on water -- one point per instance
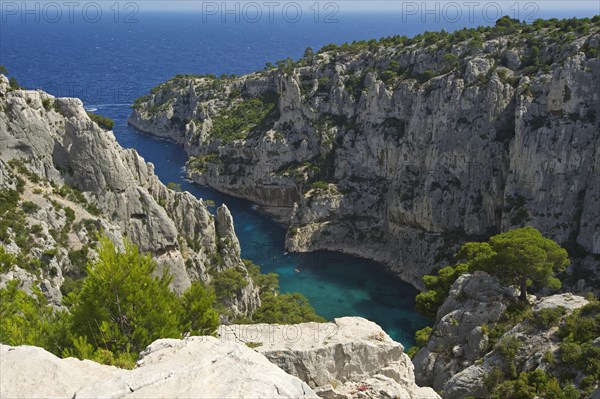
(297, 270)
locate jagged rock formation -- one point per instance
(459, 356)
(348, 358)
(73, 179)
(196, 367)
(399, 150)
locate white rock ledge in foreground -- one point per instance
(196, 367)
(350, 358)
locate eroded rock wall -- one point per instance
(401, 152)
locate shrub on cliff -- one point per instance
(521, 257)
(30, 320)
(438, 286)
(237, 122)
(578, 349)
(102, 121)
(278, 308)
(289, 308)
(198, 316)
(534, 384)
(229, 282)
(122, 306)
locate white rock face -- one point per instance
(567, 301)
(31, 372)
(348, 358)
(197, 367)
(417, 166)
(56, 140)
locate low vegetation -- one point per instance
(421, 338)
(570, 373)
(534, 384)
(442, 39)
(201, 163)
(253, 114)
(578, 350)
(102, 121)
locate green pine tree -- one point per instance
(198, 316)
(122, 305)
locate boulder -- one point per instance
(349, 357)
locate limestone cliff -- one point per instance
(71, 179)
(399, 150)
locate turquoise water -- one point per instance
(335, 284)
(108, 64)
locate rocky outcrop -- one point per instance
(348, 358)
(458, 338)
(198, 367)
(400, 150)
(533, 347)
(81, 181)
(459, 355)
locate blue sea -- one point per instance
(111, 58)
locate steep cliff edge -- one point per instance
(399, 150)
(63, 179)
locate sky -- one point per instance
(457, 12)
(593, 6)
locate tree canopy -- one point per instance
(521, 257)
(122, 304)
